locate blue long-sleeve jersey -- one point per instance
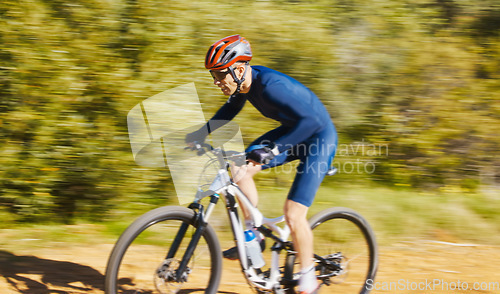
(282, 98)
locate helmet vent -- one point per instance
(213, 54)
(233, 54)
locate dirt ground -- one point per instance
(405, 267)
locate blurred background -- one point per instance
(412, 86)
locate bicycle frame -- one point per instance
(259, 220)
(224, 185)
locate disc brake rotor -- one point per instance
(165, 277)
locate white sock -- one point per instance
(307, 280)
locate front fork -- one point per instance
(200, 221)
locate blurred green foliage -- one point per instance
(418, 78)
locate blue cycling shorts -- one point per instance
(315, 154)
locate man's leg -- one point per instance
(243, 176)
(302, 237)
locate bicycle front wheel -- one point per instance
(143, 261)
(345, 242)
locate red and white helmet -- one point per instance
(225, 52)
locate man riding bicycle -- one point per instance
(306, 134)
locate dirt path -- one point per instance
(424, 266)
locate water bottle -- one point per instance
(254, 252)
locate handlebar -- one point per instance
(201, 148)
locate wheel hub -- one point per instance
(165, 277)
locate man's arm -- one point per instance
(226, 113)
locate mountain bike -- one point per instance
(175, 249)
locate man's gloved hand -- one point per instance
(197, 136)
(262, 155)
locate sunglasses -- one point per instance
(219, 75)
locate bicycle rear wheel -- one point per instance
(346, 251)
(139, 263)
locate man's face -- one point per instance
(225, 81)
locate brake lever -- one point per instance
(198, 147)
